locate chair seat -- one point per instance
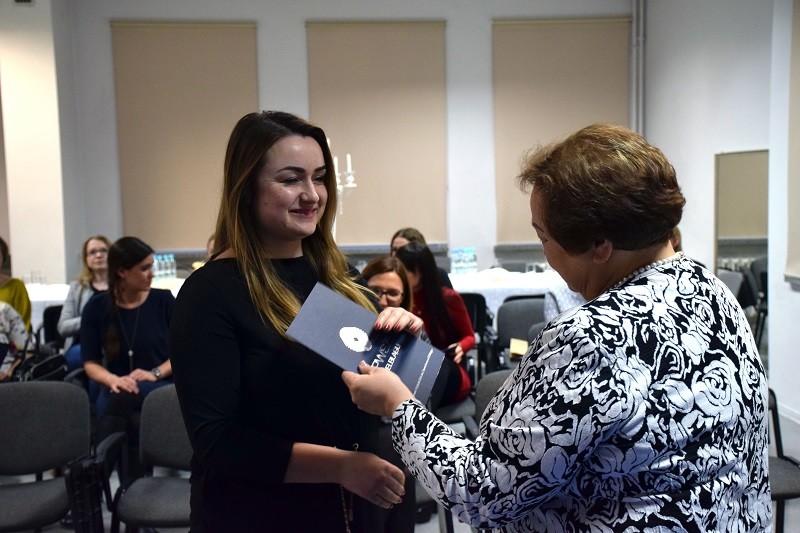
(784, 479)
(32, 505)
(156, 501)
(450, 414)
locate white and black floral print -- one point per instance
(642, 410)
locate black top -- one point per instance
(247, 394)
(148, 337)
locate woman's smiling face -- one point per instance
(290, 195)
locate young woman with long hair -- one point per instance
(278, 445)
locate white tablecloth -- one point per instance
(45, 295)
(496, 284)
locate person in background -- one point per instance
(404, 236)
(446, 320)
(124, 341)
(387, 278)
(13, 291)
(93, 279)
(643, 409)
(13, 337)
(209, 253)
(278, 445)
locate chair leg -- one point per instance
(761, 320)
(445, 519)
(780, 507)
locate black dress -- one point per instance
(247, 395)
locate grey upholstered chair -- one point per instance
(158, 501)
(514, 318)
(784, 471)
(45, 426)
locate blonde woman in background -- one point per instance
(92, 280)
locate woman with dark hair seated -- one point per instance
(124, 335)
(446, 320)
(404, 236)
(643, 409)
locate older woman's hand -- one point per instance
(376, 390)
(398, 319)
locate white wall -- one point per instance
(706, 92)
(283, 85)
(784, 300)
(32, 140)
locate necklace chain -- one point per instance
(133, 337)
(651, 266)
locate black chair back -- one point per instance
(784, 471)
(516, 316)
(48, 332)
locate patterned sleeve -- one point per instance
(529, 446)
(15, 328)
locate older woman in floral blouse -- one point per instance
(642, 409)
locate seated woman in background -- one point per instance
(644, 409)
(13, 291)
(92, 279)
(404, 236)
(13, 336)
(446, 320)
(387, 278)
(124, 340)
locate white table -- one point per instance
(44, 295)
(496, 284)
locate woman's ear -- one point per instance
(601, 250)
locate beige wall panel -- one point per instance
(550, 79)
(180, 88)
(742, 182)
(378, 91)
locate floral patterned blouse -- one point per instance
(644, 409)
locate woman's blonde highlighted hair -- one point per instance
(246, 155)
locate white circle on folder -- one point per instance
(355, 339)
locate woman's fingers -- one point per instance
(397, 318)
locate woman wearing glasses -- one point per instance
(92, 280)
(387, 278)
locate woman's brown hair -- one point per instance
(605, 181)
(250, 140)
(383, 265)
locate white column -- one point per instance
(31, 136)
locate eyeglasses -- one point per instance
(96, 251)
(391, 294)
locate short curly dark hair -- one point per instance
(604, 182)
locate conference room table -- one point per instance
(496, 284)
(43, 295)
